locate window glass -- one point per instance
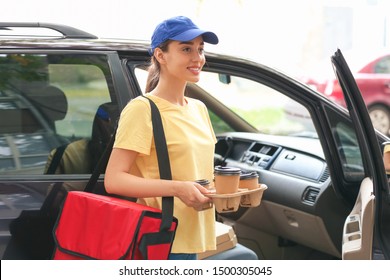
(86, 88)
(253, 103)
(266, 109)
(347, 146)
(383, 66)
(47, 101)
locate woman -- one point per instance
(177, 58)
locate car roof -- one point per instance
(35, 35)
(65, 43)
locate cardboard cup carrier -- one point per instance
(234, 188)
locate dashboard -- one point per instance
(296, 205)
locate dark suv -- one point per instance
(318, 160)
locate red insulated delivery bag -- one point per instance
(93, 226)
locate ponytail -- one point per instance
(154, 69)
(153, 75)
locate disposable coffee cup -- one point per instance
(249, 180)
(226, 179)
(205, 183)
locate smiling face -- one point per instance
(183, 60)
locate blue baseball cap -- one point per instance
(179, 29)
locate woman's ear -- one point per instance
(159, 55)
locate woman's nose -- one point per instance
(197, 56)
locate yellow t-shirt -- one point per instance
(190, 139)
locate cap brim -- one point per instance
(208, 37)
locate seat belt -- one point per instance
(56, 159)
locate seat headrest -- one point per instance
(51, 101)
(105, 121)
(103, 127)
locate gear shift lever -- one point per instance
(229, 142)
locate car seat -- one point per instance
(81, 156)
(32, 111)
(51, 103)
(104, 125)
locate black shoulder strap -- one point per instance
(160, 142)
(91, 185)
(163, 164)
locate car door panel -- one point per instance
(368, 218)
(359, 225)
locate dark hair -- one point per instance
(154, 69)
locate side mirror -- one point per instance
(225, 79)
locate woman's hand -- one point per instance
(117, 180)
(192, 194)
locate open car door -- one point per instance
(366, 233)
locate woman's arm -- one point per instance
(119, 181)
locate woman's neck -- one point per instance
(172, 92)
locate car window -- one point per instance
(346, 140)
(46, 101)
(383, 66)
(265, 109)
(85, 88)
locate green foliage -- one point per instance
(263, 119)
(17, 69)
(219, 125)
(266, 120)
(79, 74)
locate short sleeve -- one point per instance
(135, 127)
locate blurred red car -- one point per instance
(372, 74)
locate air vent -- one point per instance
(263, 149)
(325, 175)
(310, 195)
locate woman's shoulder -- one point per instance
(138, 102)
(194, 101)
(136, 106)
